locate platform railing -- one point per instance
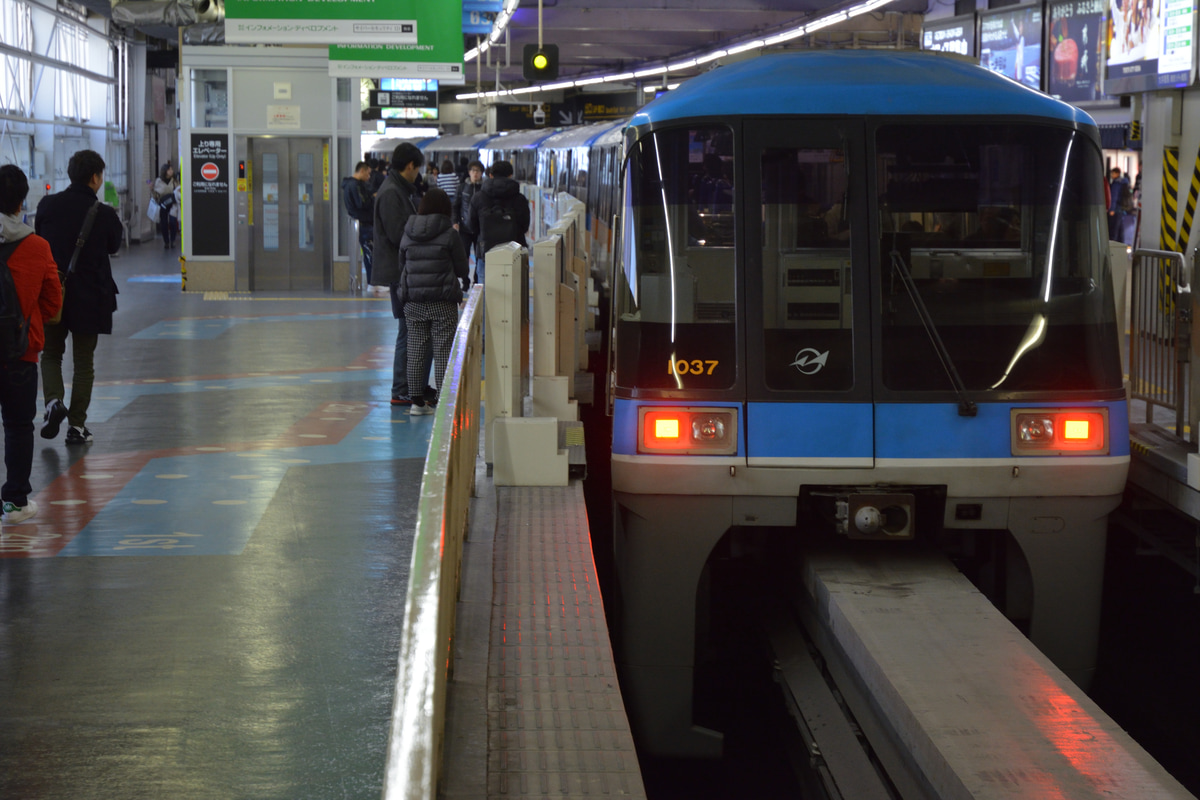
(414, 755)
(1160, 333)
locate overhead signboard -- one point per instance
(404, 99)
(438, 55)
(330, 21)
(1010, 43)
(952, 35)
(1152, 46)
(1075, 49)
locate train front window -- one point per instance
(807, 300)
(1003, 229)
(676, 290)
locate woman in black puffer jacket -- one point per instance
(433, 277)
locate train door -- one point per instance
(289, 249)
(808, 377)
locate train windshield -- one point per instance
(1003, 229)
(676, 295)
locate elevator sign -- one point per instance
(208, 198)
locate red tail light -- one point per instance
(694, 431)
(1058, 432)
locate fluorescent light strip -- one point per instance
(511, 5)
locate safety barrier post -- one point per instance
(506, 361)
(414, 755)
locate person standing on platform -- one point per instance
(1120, 197)
(360, 206)
(35, 278)
(462, 205)
(394, 204)
(433, 277)
(447, 181)
(91, 292)
(498, 213)
(164, 194)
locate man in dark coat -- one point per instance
(91, 292)
(467, 190)
(499, 213)
(359, 201)
(395, 202)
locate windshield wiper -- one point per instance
(966, 406)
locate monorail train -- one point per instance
(866, 295)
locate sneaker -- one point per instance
(402, 400)
(56, 412)
(14, 513)
(420, 410)
(79, 436)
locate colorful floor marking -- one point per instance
(204, 500)
(199, 328)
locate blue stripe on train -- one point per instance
(845, 430)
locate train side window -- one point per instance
(807, 293)
(676, 293)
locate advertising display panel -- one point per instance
(1010, 43)
(953, 35)
(1075, 48)
(1151, 46)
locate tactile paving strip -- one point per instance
(556, 724)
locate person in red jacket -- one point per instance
(35, 276)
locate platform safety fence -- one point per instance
(1160, 322)
(415, 741)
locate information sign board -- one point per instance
(209, 206)
(952, 35)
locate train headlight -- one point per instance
(1051, 432)
(687, 431)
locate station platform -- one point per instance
(208, 603)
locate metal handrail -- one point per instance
(414, 755)
(1160, 332)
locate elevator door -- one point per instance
(289, 248)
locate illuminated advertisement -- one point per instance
(1010, 43)
(1151, 44)
(954, 35)
(1075, 48)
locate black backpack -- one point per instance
(14, 325)
(496, 225)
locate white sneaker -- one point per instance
(420, 411)
(14, 513)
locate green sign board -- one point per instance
(391, 22)
(437, 53)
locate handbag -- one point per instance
(152, 210)
(84, 232)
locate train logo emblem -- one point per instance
(809, 361)
(210, 171)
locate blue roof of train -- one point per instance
(854, 82)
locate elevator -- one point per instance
(288, 228)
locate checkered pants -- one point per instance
(429, 321)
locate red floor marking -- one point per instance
(57, 525)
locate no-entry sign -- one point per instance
(209, 171)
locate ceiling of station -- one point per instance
(612, 36)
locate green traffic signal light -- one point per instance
(540, 63)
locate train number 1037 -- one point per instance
(693, 367)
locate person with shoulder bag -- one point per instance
(89, 304)
(34, 279)
(164, 194)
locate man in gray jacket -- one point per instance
(395, 202)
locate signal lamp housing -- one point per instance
(540, 63)
(1059, 432)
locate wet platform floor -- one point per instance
(208, 604)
